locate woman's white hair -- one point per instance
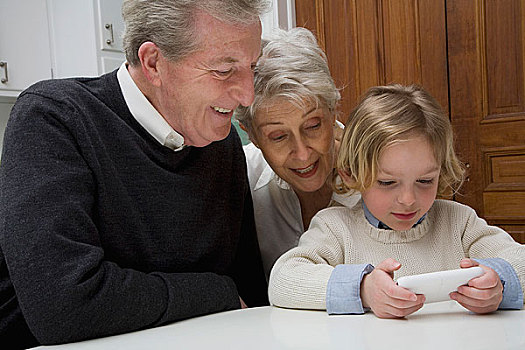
(293, 68)
(170, 24)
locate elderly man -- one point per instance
(124, 202)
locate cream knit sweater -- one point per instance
(340, 235)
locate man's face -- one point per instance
(197, 95)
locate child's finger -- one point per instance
(466, 263)
(401, 311)
(480, 294)
(389, 266)
(489, 279)
(480, 303)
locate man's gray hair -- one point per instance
(170, 24)
(292, 68)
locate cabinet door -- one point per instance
(110, 29)
(23, 22)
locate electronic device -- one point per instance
(436, 286)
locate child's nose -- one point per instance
(407, 196)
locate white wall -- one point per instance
(281, 16)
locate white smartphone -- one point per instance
(436, 286)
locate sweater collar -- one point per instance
(391, 236)
(378, 224)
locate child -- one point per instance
(397, 150)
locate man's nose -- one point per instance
(242, 91)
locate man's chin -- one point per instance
(205, 141)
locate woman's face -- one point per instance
(298, 144)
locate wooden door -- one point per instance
(486, 52)
(377, 42)
(468, 54)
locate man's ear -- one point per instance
(250, 136)
(346, 177)
(150, 61)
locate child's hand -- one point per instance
(386, 299)
(483, 294)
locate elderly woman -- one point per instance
(291, 125)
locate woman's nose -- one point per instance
(301, 150)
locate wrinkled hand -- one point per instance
(380, 293)
(483, 294)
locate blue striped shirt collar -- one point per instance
(378, 224)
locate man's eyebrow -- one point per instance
(225, 60)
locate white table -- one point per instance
(444, 325)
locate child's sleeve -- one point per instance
(495, 248)
(311, 276)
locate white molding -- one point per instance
(282, 15)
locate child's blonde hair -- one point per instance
(389, 114)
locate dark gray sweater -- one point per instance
(103, 230)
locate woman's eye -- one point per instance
(315, 126)
(277, 138)
(385, 183)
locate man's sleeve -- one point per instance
(248, 271)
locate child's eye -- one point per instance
(426, 181)
(385, 183)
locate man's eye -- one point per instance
(385, 183)
(223, 73)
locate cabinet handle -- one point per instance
(5, 79)
(109, 27)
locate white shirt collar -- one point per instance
(145, 114)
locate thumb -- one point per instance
(466, 262)
(389, 266)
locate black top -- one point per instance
(103, 230)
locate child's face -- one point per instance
(406, 185)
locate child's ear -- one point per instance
(250, 136)
(346, 177)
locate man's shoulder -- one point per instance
(70, 89)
